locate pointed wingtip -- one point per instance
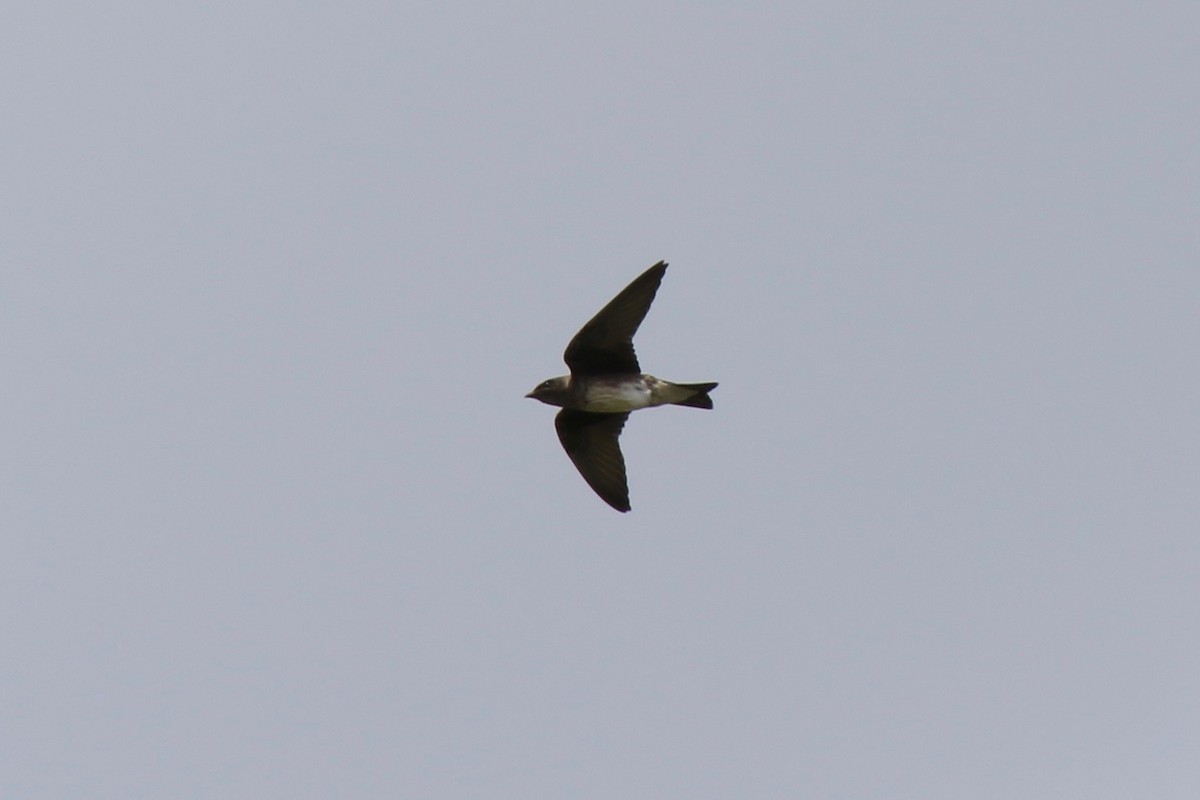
(619, 503)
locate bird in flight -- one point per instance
(605, 384)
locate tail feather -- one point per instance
(699, 397)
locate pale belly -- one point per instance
(611, 399)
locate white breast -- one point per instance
(623, 397)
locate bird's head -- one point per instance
(553, 391)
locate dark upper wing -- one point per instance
(591, 442)
(605, 344)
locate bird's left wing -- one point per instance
(605, 344)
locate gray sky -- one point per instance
(278, 522)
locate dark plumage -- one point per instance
(606, 383)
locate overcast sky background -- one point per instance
(277, 521)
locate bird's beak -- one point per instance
(529, 395)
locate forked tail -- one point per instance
(699, 397)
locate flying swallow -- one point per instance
(605, 384)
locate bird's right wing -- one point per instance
(591, 440)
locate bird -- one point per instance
(606, 384)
